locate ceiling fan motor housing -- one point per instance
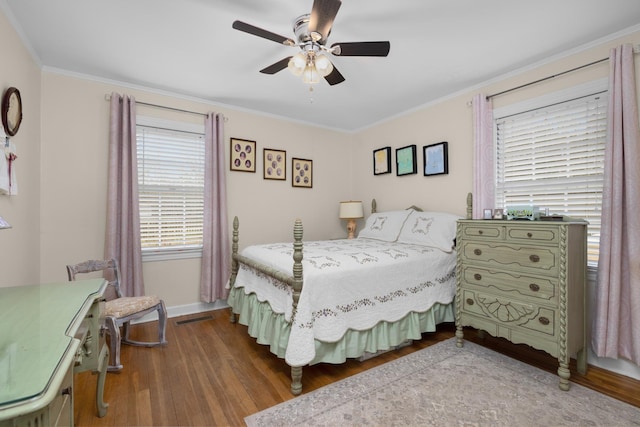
(301, 30)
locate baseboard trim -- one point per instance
(183, 310)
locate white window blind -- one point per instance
(171, 189)
(553, 157)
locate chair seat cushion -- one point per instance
(126, 306)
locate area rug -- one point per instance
(443, 385)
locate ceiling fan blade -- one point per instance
(248, 28)
(323, 13)
(278, 66)
(361, 49)
(334, 77)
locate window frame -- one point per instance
(579, 91)
(171, 253)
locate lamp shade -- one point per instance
(323, 65)
(351, 210)
(310, 74)
(297, 64)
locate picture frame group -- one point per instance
(274, 163)
(435, 160)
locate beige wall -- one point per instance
(19, 246)
(75, 129)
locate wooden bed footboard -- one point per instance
(294, 280)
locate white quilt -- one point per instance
(349, 284)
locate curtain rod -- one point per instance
(547, 78)
(164, 107)
(636, 49)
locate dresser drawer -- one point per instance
(541, 260)
(511, 283)
(483, 231)
(535, 234)
(510, 313)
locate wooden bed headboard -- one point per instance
(374, 206)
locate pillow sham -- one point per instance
(384, 226)
(433, 229)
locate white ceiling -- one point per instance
(188, 48)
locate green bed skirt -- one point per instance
(269, 328)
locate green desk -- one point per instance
(47, 333)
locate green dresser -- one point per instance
(525, 281)
(47, 333)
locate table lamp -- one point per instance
(351, 211)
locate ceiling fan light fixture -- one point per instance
(297, 64)
(323, 65)
(311, 75)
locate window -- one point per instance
(171, 188)
(553, 157)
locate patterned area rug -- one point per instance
(443, 385)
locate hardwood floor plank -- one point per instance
(212, 373)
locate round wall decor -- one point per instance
(11, 111)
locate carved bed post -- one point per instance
(234, 261)
(296, 371)
(374, 206)
(458, 296)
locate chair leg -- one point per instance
(125, 331)
(162, 330)
(114, 344)
(162, 323)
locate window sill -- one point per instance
(151, 255)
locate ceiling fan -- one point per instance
(312, 31)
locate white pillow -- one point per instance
(384, 225)
(433, 229)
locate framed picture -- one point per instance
(436, 159)
(243, 155)
(487, 214)
(301, 173)
(406, 160)
(382, 161)
(498, 214)
(275, 164)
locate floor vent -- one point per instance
(195, 319)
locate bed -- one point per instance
(346, 298)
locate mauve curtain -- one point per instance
(484, 154)
(616, 327)
(216, 252)
(122, 240)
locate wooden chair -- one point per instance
(120, 311)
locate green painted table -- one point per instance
(47, 333)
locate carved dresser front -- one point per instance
(524, 281)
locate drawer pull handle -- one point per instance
(469, 301)
(477, 252)
(477, 276)
(529, 235)
(534, 287)
(534, 258)
(544, 321)
(480, 231)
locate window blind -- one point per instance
(553, 158)
(171, 188)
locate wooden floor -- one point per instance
(213, 374)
